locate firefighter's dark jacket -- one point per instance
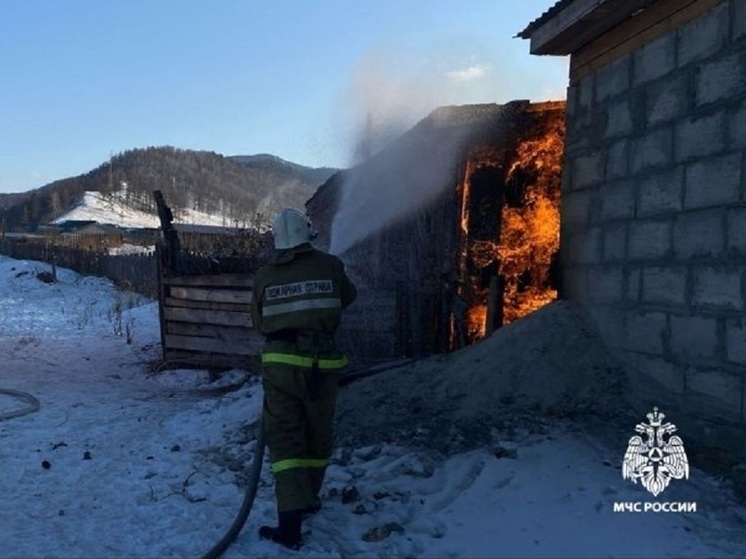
(301, 289)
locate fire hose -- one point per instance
(256, 465)
(31, 401)
(243, 513)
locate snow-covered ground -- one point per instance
(113, 210)
(118, 462)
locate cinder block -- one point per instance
(720, 80)
(713, 182)
(661, 193)
(739, 18)
(619, 119)
(573, 283)
(588, 170)
(737, 132)
(665, 374)
(583, 247)
(715, 287)
(652, 150)
(576, 209)
(576, 137)
(615, 242)
(666, 99)
(736, 234)
(634, 285)
(591, 246)
(693, 337)
(617, 160)
(613, 79)
(580, 129)
(664, 285)
(655, 59)
(585, 93)
(714, 392)
(704, 36)
(700, 137)
(735, 341)
(566, 172)
(617, 201)
(571, 101)
(605, 285)
(699, 234)
(649, 239)
(645, 332)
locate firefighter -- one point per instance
(297, 304)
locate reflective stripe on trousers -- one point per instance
(298, 429)
(303, 361)
(291, 463)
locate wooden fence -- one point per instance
(205, 314)
(136, 272)
(206, 320)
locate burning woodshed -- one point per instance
(452, 230)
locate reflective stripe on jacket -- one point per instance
(271, 309)
(301, 289)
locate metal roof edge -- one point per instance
(570, 24)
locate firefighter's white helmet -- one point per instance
(291, 228)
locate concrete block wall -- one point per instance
(653, 239)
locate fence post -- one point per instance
(161, 297)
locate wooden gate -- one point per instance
(206, 320)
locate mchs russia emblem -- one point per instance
(656, 457)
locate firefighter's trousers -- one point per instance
(299, 428)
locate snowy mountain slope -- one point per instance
(113, 210)
(235, 189)
(108, 210)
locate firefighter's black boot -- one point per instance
(287, 532)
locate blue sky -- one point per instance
(84, 79)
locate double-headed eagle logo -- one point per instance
(657, 460)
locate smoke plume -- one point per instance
(401, 178)
(394, 171)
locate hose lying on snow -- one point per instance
(256, 466)
(253, 482)
(33, 403)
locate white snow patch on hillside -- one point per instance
(112, 210)
(103, 209)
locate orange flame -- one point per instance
(476, 320)
(528, 237)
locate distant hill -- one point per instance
(7, 200)
(243, 189)
(273, 165)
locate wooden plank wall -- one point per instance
(370, 328)
(206, 320)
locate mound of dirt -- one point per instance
(547, 365)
